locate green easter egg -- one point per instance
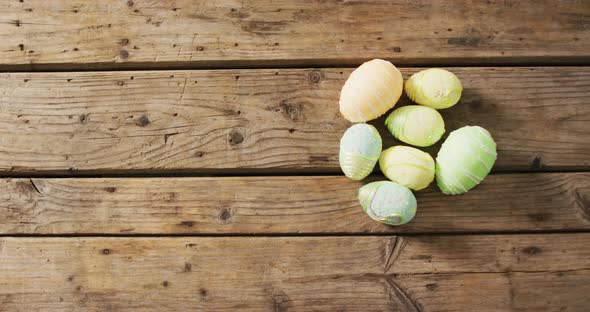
(407, 166)
(416, 125)
(465, 159)
(434, 87)
(360, 147)
(388, 202)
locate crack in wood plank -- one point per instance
(395, 247)
(35, 186)
(186, 76)
(402, 296)
(582, 198)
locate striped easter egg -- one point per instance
(416, 125)
(407, 166)
(465, 159)
(371, 90)
(434, 87)
(388, 202)
(360, 147)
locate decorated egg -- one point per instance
(371, 90)
(434, 87)
(416, 125)
(360, 147)
(407, 166)
(388, 202)
(465, 159)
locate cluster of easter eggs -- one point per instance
(465, 158)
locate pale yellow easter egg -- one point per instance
(416, 124)
(435, 87)
(407, 166)
(371, 90)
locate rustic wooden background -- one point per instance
(182, 155)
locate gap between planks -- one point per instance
(227, 173)
(139, 67)
(303, 235)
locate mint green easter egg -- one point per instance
(388, 202)
(416, 125)
(465, 159)
(360, 147)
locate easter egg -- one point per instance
(416, 125)
(388, 202)
(371, 90)
(360, 147)
(407, 166)
(434, 87)
(465, 159)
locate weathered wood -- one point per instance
(423, 273)
(281, 120)
(124, 34)
(509, 202)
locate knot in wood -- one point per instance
(143, 121)
(236, 138)
(123, 54)
(225, 215)
(315, 77)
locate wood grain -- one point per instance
(423, 273)
(265, 120)
(286, 205)
(37, 34)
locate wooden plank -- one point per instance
(256, 120)
(267, 205)
(423, 273)
(78, 34)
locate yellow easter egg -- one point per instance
(407, 166)
(434, 87)
(416, 125)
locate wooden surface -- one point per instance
(39, 34)
(265, 120)
(267, 205)
(422, 273)
(198, 169)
